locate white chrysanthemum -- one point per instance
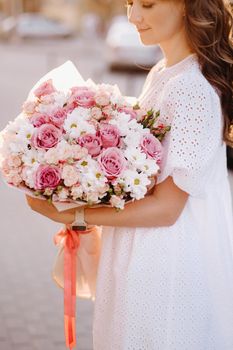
(86, 165)
(25, 130)
(135, 157)
(121, 120)
(150, 167)
(133, 139)
(75, 126)
(28, 175)
(18, 145)
(13, 126)
(81, 113)
(135, 183)
(60, 99)
(33, 156)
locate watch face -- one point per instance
(79, 228)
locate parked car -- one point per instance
(124, 48)
(32, 25)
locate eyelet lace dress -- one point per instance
(171, 288)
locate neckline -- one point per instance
(163, 68)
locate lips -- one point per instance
(142, 29)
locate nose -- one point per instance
(134, 14)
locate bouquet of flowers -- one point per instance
(86, 146)
(80, 143)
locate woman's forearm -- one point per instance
(147, 212)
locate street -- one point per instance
(31, 305)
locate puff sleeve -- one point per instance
(193, 108)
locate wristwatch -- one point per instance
(79, 223)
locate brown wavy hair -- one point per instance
(209, 28)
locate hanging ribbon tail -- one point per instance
(71, 241)
(70, 251)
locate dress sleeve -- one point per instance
(194, 110)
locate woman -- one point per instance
(165, 277)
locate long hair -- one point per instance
(209, 28)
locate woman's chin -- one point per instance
(147, 42)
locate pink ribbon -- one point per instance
(71, 241)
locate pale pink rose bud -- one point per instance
(96, 113)
(112, 162)
(29, 107)
(107, 111)
(38, 119)
(46, 136)
(82, 96)
(45, 88)
(109, 134)
(102, 98)
(117, 202)
(152, 147)
(70, 175)
(92, 143)
(47, 176)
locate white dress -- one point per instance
(171, 288)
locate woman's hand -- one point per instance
(47, 209)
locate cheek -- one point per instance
(165, 23)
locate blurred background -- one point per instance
(35, 37)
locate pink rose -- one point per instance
(45, 88)
(112, 162)
(38, 119)
(46, 136)
(129, 111)
(58, 117)
(110, 135)
(82, 96)
(92, 143)
(152, 147)
(47, 176)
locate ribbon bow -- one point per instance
(70, 239)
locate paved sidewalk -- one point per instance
(31, 305)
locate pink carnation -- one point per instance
(70, 175)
